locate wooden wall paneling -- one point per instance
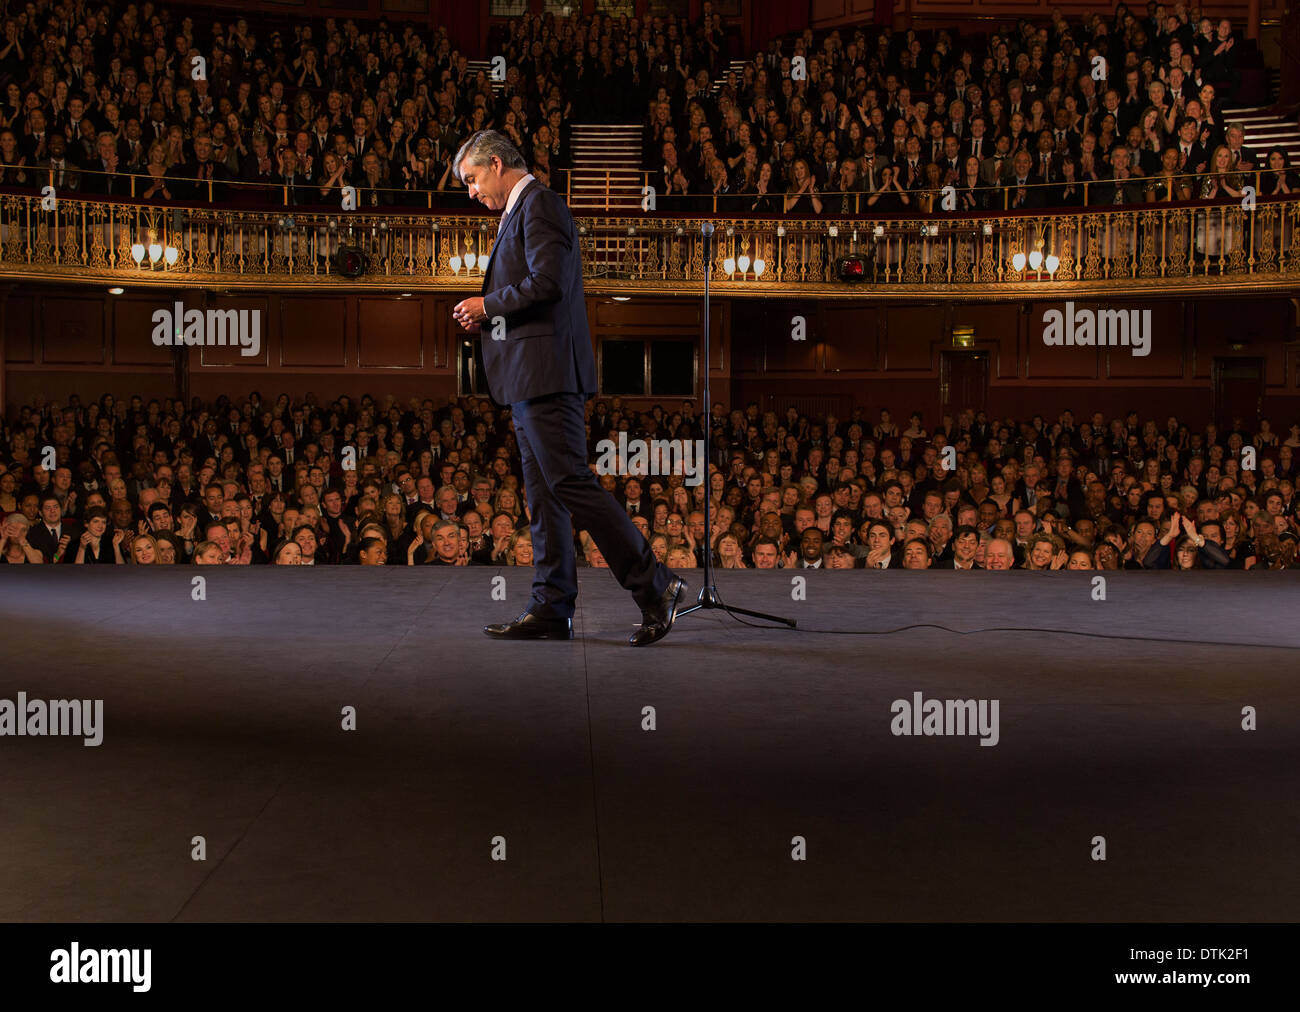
(720, 315)
(312, 332)
(231, 356)
(1169, 358)
(21, 345)
(390, 333)
(131, 326)
(1043, 362)
(998, 331)
(773, 329)
(911, 333)
(72, 329)
(748, 320)
(852, 341)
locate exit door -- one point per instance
(1238, 391)
(963, 382)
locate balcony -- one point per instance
(1197, 247)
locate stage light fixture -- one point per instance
(852, 267)
(351, 262)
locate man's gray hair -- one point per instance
(481, 148)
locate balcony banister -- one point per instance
(1209, 245)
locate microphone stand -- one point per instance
(709, 597)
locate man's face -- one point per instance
(487, 183)
(998, 556)
(307, 542)
(447, 502)
(965, 546)
(50, 513)
(220, 537)
(446, 543)
(765, 557)
(811, 544)
(915, 556)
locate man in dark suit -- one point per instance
(53, 534)
(538, 359)
(1024, 188)
(105, 178)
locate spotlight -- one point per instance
(351, 262)
(852, 267)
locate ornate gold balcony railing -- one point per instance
(1136, 249)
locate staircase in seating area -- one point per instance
(1265, 130)
(607, 173)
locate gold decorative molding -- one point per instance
(1216, 249)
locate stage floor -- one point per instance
(222, 719)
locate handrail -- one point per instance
(277, 191)
(1212, 243)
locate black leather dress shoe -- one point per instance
(656, 621)
(530, 627)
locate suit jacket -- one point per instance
(534, 282)
(1034, 194)
(38, 536)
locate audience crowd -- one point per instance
(363, 482)
(1120, 107)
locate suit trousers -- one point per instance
(551, 432)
